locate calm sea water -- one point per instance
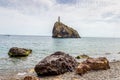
(44, 46)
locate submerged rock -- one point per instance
(82, 56)
(55, 64)
(107, 53)
(19, 52)
(118, 52)
(61, 30)
(100, 63)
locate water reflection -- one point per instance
(18, 60)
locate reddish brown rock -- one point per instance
(31, 78)
(100, 63)
(82, 68)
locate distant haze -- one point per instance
(91, 18)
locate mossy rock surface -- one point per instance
(19, 52)
(82, 56)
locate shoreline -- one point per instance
(111, 74)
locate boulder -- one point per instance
(55, 64)
(82, 68)
(19, 52)
(61, 30)
(100, 63)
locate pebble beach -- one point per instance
(111, 74)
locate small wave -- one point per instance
(21, 74)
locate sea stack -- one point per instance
(61, 30)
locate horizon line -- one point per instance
(51, 36)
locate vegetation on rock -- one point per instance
(19, 52)
(82, 56)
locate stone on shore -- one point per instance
(55, 64)
(31, 78)
(61, 30)
(82, 68)
(100, 63)
(19, 52)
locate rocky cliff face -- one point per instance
(61, 30)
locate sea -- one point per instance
(43, 46)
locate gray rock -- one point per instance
(55, 64)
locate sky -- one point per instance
(91, 18)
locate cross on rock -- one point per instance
(59, 19)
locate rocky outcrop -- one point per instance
(55, 64)
(100, 63)
(19, 52)
(61, 30)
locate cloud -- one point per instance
(89, 17)
(66, 1)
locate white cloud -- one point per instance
(89, 17)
